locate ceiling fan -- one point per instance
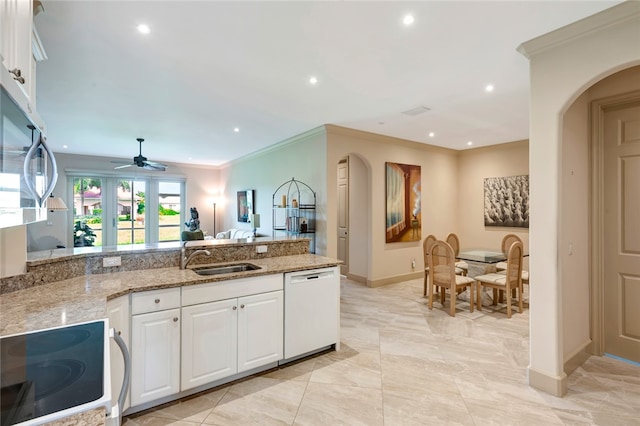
(141, 161)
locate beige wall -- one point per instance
(474, 165)
(202, 184)
(439, 185)
(302, 157)
(563, 64)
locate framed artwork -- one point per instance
(245, 205)
(403, 203)
(506, 201)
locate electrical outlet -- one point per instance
(111, 261)
(413, 264)
(261, 249)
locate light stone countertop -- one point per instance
(84, 298)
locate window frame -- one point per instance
(109, 203)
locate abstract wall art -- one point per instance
(506, 201)
(403, 203)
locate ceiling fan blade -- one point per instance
(150, 165)
(123, 166)
(121, 161)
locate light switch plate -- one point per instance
(261, 249)
(111, 261)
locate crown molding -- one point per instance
(627, 11)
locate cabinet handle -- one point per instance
(241, 306)
(17, 75)
(157, 300)
(175, 319)
(234, 308)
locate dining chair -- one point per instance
(442, 273)
(426, 245)
(510, 280)
(462, 266)
(507, 240)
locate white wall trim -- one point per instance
(598, 22)
(277, 146)
(553, 385)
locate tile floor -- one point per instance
(401, 364)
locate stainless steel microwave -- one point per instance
(27, 167)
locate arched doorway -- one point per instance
(353, 239)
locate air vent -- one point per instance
(416, 111)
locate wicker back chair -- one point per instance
(426, 245)
(442, 273)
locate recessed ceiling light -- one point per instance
(431, 134)
(65, 146)
(470, 143)
(408, 20)
(313, 80)
(489, 88)
(236, 129)
(143, 29)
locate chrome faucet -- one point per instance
(184, 260)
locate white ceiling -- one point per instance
(210, 66)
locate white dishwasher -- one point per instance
(311, 311)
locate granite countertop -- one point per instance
(84, 298)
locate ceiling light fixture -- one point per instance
(143, 29)
(408, 20)
(313, 80)
(470, 143)
(489, 88)
(236, 129)
(431, 134)
(65, 146)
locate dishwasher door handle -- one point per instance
(295, 279)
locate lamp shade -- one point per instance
(255, 220)
(56, 204)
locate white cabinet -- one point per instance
(155, 345)
(209, 335)
(223, 337)
(16, 32)
(119, 315)
(260, 335)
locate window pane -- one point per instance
(131, 208)
(169, 206)
(87, 212)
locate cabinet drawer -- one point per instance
(155, 300)
(220, 290)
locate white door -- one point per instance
(343, 214)
(209, 342)
(622, 231)
(119, 314)
(155, 355)
(260, 335)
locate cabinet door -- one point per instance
(16, 17)
(209, 335)
(119, 314)
(260, 324)
(155, 355)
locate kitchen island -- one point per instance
(85, 298)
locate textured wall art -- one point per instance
(403, 208)
(506, 201)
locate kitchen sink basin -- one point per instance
(225, 269)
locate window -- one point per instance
(111, 211)
(87, 212)
(130, 205)
(169, 208)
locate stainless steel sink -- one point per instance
(225, 269)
